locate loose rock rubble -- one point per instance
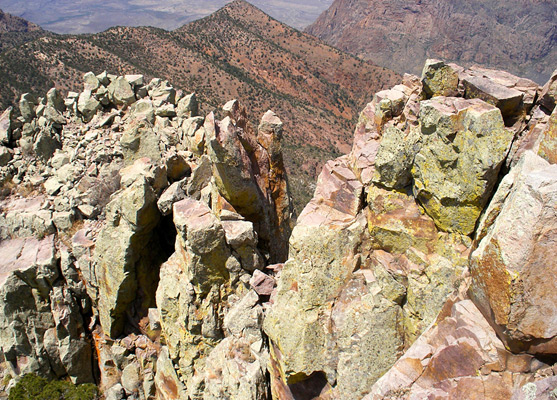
(152, 251)
(131, 228)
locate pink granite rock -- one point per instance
(548, 94)
(23, 253)
(513, 95)
(512, 263)
(458, 357)
(262, 283)
(337, 198)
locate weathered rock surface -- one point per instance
(122, 259)
(372, 263)
(513, 259)
(41, 328)
(460, 356)
(139, 250)
(439, 79)
(249, 172)
(464, 146)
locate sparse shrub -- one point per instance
(33, 387)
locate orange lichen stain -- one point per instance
(294, 286)
(169, 386)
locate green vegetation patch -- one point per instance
(33, 387)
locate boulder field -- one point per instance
(155, 252)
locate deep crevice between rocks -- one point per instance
(310, 388)
(161, 247)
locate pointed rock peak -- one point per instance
(271, 118)
(242, 7)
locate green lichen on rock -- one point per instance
(323, 259)
(123, 262)
(439, 79)
(395, 157)
(465, 143)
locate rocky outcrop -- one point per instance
(41, 325)
(513, 259)
(378, 275)
(131, 238)
(249, 172)
(153, 253)
(123, 259)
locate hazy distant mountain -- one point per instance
(87, 16)
(516, 35)
(12, 23)
(237, 52)
(15, 31)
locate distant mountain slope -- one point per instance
(237, 52)
(11, 23)
(517, 35)
(91, 16)
(15, 31)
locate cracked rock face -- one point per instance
(464, 145)
(513, 260)
(379, 251)
(151, 250)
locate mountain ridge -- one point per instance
(85, 16)
(316, 89)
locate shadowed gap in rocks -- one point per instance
(310, 388)
(160, 248)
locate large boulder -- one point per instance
(464, 146)
(140, 140)
(439, 79)
(27, 105)
(513, 95)
(25, 218)
(90, 81)
(55, 100)
(28, 271)
(516, 255)
(46, 143)
(88, 105)
(120, 92)
(396, 108)
(395, 157)
(187, 106)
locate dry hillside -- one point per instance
(237, 52)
